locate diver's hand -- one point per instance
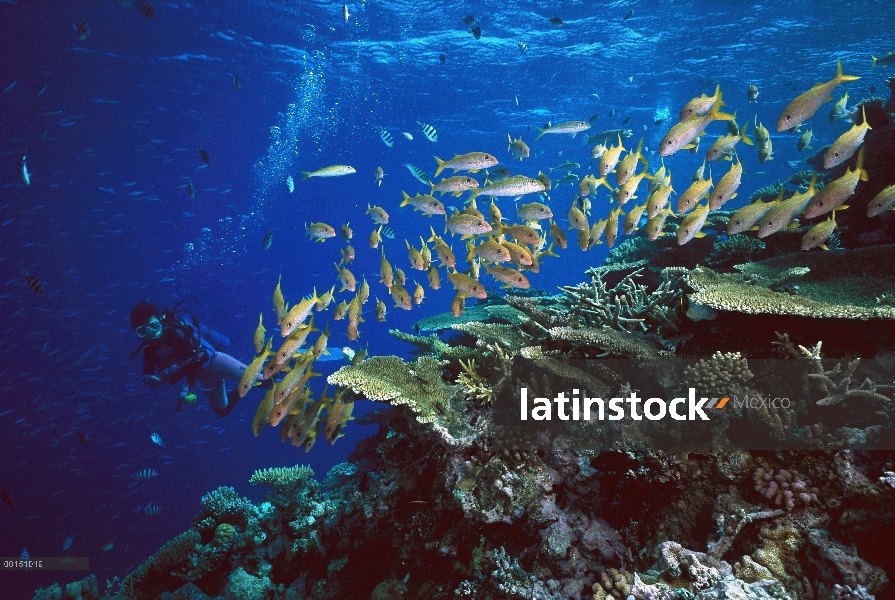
(152, 381)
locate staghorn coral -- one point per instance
(837, 391)
(627, 306)
(445, 320)
(474, 385)
(418, 385)
(506, 313)
(159, 572)
(768, 192)
(432, 345)
(282, 478)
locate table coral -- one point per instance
(418, 385)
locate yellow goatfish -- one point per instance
(683, 134)
(805, 105)
(472, 162)
(298, 313)
(837, 191)
(692, 224)
(658, 200)
(258, 338)
(262, 415)
(693, 194)
(467, 286)
(700, 106)
(611, 232)
(610, 158)
(819, 234)
(746, 218)
(882, 202)
(727, 187)
(279, 303)
(723, 146)
(786, 210)
(628, 164)
(847, 144)
(250, 375)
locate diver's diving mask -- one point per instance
(152, 329)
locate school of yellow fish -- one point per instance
(505, 250)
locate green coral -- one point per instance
(506, 313)
(494, 337)
(159, 573)
(282, 477)
(224, 534)
(818, 284)
(434, 346)
(418, 385)
(446, 320)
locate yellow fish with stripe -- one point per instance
(805, 105)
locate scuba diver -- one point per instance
(174, 347)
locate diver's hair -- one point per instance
(142, 312)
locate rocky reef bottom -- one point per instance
(418, 513)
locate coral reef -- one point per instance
(452, 499)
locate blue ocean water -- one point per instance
(113, 123)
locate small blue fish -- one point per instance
(387, 232)
(157, 439)
(152, 509)
(145, 474)
(66, 544)
(268, 240)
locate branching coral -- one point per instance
(735, 250)
(837, 385)
(721, 375)
(223, 505)
(417, 385)
(282, 477)
(627, 306)
(474, 385)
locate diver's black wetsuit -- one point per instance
(187, 345)
(177, 344)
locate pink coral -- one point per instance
(784, 487)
